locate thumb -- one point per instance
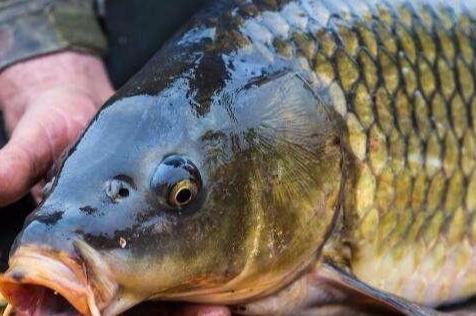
(52, 122)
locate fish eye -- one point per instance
(177, 181)
(182, 193)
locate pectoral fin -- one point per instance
(329, 290)
(362, 294)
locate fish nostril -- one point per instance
(123, 192)
(119, 188)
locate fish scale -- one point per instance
(402, 78)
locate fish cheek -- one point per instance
(276, 182)
(170, 251)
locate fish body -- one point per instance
(263, 144)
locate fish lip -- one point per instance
(34, 266)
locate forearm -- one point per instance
(32, 28)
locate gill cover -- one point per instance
(272, 160)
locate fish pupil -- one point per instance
(183, 196)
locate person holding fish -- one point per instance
(277, 157)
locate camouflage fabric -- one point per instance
(31, 28)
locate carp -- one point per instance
(277, 156)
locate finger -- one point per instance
(203, 310)
(11, 118)
(15, 166)
(41, 135)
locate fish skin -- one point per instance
(396, 81)
(401, 75)
(408, 96)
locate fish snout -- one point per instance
(44, 281)
(59, 221)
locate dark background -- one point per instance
(137, 28)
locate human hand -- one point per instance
(46, 102)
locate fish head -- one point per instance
(160, 199)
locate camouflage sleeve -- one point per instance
(30, 28)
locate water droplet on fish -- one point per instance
(122, 242)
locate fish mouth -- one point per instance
(46, 282)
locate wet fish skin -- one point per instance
(402, 77)
(324, 131)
